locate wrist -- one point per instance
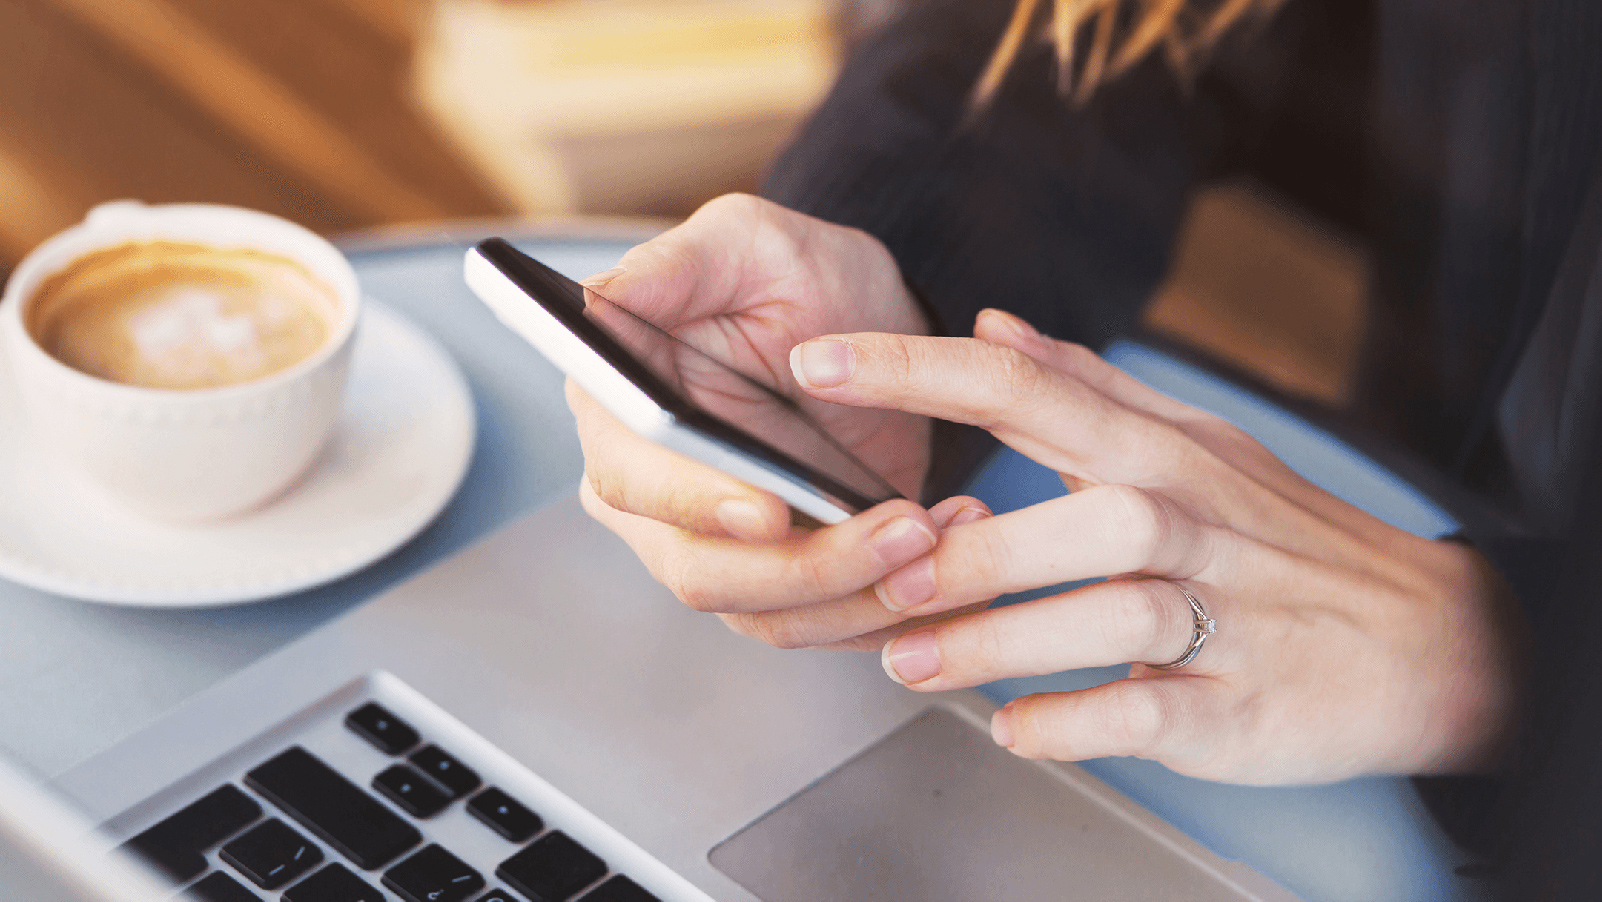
(1477, 715)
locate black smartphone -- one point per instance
(672, 393)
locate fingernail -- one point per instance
(969, 515)
(912, 658)
(901, 540)
(1001, 727)
(908, 587)
(1014, 324)
(601, 278)
(822, 362)
(742, 519)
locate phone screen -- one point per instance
(699, 390)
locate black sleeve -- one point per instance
(1552, 804)
(1062, 215)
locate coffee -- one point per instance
(179, 315)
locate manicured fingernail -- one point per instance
(912, 658)
(822, 362)
(908, 587)
(901, 540)
(969, 515)
(1013, 324)
(1001, 727)
(742, 519)
(601, 278)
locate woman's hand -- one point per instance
(1344, 646)
(745, 280)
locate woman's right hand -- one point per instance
(745, 281)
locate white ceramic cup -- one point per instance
(183, 455)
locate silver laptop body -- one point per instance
(700, 764)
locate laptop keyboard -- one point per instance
(300, 830)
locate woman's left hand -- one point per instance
(1344, 646)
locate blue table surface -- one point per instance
(76, 677)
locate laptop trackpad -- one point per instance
(936, 811)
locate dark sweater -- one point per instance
(1463, 143)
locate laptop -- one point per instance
(536, 719)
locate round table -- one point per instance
(76, 677)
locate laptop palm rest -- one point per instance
(936, 811)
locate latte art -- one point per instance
(178, 315)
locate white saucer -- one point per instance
(396, 457)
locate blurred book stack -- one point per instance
(627, 106)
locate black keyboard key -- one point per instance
(334, 883)
(409, 789)
(386, 731)
(338, 812)
(175, 844)
(271, 854)
(503, 814)
(497, 895)
(219, 887)
(619, 888)
(445, 770)
(433, 875)
(553, 869)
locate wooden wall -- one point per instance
(297, 107)
(304, 108)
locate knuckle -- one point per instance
(609, 486)
(1135, 717)
(787, 631)
(735, 205)
(974, 557)
(1143, 520)
(1014, 374)
(780, 629)
(1138, 615)
(682, 503)
(813, 572)
(675, 570)
(973, 645)
(897, 359)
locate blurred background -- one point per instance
(349, 115)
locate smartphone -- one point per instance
(671, 393)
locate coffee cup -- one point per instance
(189, 360)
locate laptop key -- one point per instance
(445, 770)
(553, 869)
(433, 875)
(388, 733)
(505, 815)
(409, 789)
(334, 809)
(497, 895)
(271, 854)
(619, 888)
(219, 887)
(335, 883)
(175, 845)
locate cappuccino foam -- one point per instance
(180, 315)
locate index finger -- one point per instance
(1045, 414)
